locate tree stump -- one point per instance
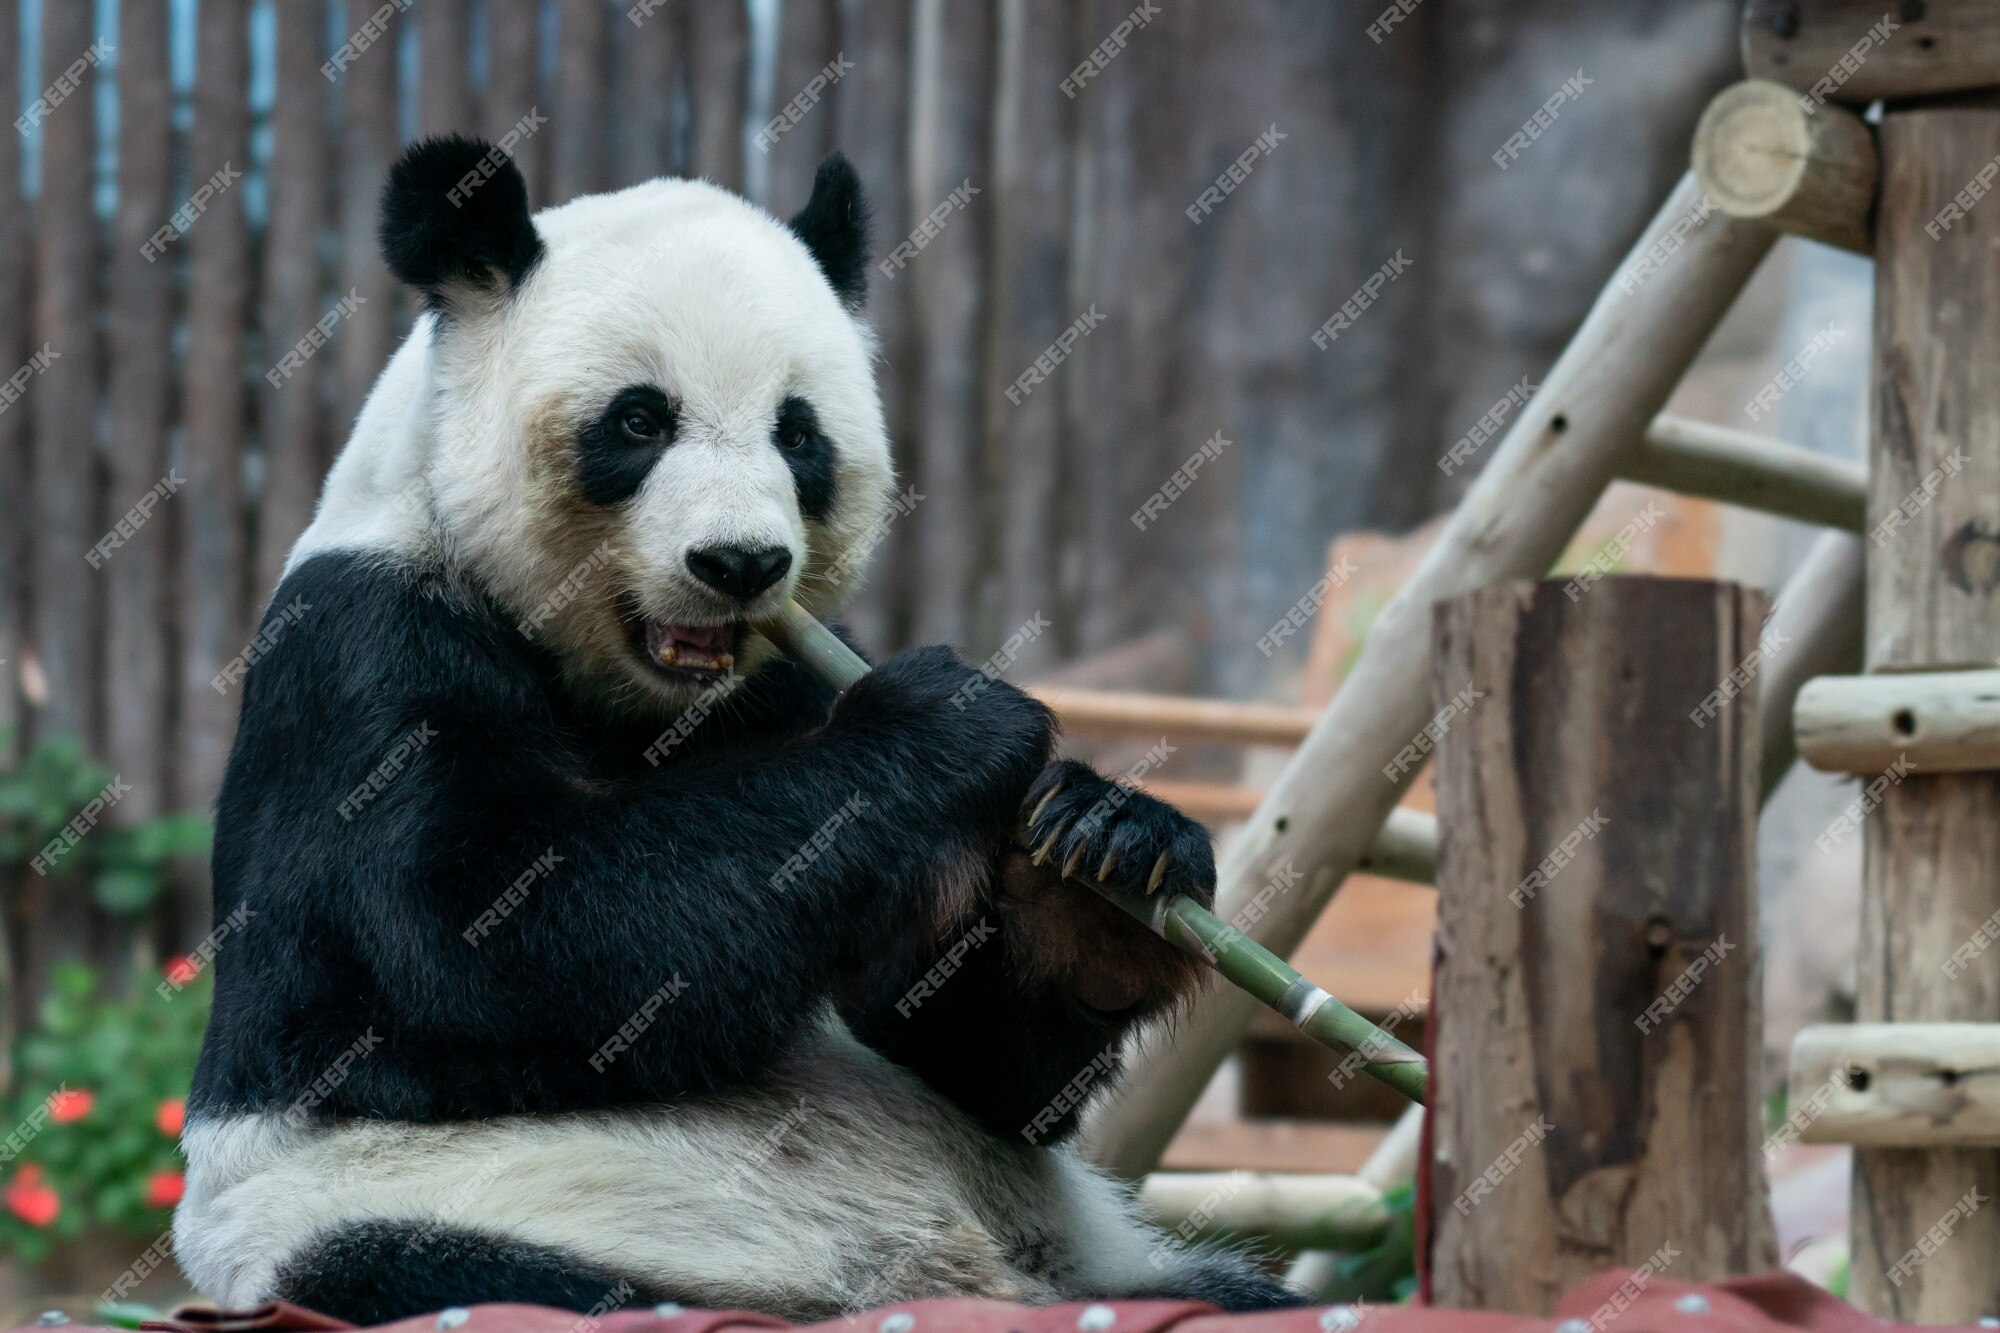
(1594, 1092)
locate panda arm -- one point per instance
(755, 880)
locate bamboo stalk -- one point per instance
(1177, 919)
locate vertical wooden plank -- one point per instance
(583, 68)
(797, 129)
(1123, 385)
(16, 499)
(514, 33)
(718, 46)
(1025, 446)
(368, 139)
(1931, 861)
(213, 577)
(1595, 1093)
(871, 125)
(651, 46)
(444, 94)
(137, 672)
(67, 521)
(950, 121)
(292, 291)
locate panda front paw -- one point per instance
(1087, 825)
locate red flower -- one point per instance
(163, 1189)
(181, 969)
(171, 1115)
(30, 1200)
(69, 1105)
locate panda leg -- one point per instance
(377, 1272)
(1223, 1278)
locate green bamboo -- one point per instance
(1177, 919)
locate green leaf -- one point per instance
(125, 889)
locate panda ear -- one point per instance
(455, 220)
(834, 226)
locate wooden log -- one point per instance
(1814, 629)
(1739, 468)
(1028, 442)
(948, 282)
(1405, 847)
(583, 59)
(1295, 1211)
(368, 141)
(211, 582)
(1765, 156)
(718, 47)
(292, 296)
(1856, 51)
(652, 74)
(1931, 860)
(63, 352)
(1217, 721)
(1598, 990)
(1544, 477)
(1898, 1085)
(871, 125)
(1933, 722)
(137, 672)
(511, 102)
(444, 93)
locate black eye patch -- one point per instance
(617, 449)
(808, 453)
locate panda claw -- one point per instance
(1043, 804)
(1075, 860)
(1159, 871)
(1042, 853)
(1110, 863)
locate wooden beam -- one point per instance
(1523, 509)
(1931, 860)
(1897, 1085)
(1150, 716)
(1933, 722)
(1297, 1211)
(1856, 51)
(1595, 1028)
(1814, 630)
(1765, 155)
(1736, 467)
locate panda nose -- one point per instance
(738, 572)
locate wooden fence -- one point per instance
(189, 282)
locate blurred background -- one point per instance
(1109, 231)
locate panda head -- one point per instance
(646, 417)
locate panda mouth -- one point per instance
(696, 650)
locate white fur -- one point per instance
(678, 284)
(843, 1183)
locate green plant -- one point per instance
(50, 804)
(93, 1129)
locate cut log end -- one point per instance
(1765, 154)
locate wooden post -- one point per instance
(1765, 154)
(1931, 870)
(1597, 1016)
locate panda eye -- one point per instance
(793, 439)
(640, 426)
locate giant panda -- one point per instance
(595, 953)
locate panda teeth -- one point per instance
(670, 655)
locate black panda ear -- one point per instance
(455, 213)
(834, 226)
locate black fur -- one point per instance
(371, 1273)
(611, 461)
(666, 872)
(1104, 820)
(808, 454)
(834, 226)
(1225, 1278)
(455, 210)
